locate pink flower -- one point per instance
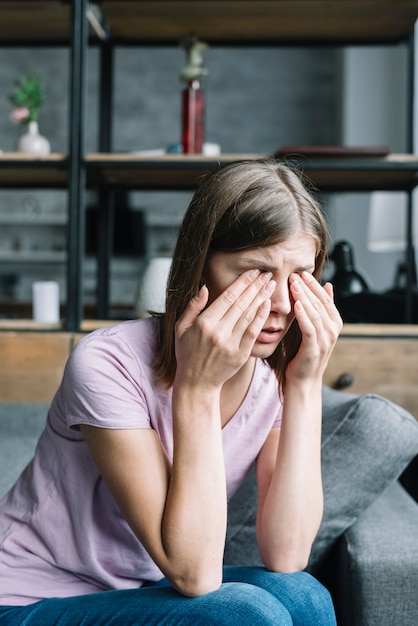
(20, 114)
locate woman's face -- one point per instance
(294, 255)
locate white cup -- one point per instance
(46, 301)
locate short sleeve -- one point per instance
(104, 385)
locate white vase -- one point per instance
(33, 142)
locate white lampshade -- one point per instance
(153, 284)
(387, 222)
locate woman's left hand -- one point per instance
(320, 324)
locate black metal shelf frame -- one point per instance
(76, 167)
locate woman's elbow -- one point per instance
(194, 586)
(286, 561)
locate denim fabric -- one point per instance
(248, 596)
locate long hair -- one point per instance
(243, 205)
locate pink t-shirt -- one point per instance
(61, 533)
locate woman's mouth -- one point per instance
(270, 335)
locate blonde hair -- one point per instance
(243, 205)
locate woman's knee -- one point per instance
(306, 599)
(241, 603)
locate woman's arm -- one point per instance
(179, 512)
(289, 465)
(290, 488)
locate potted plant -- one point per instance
(27, 98)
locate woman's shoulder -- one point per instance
(121, 347)
(109, 377)
(138, 334)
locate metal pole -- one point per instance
(76, 166)
(105, 196)
(410, 247)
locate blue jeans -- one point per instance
(248, 596)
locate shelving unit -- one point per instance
(111, 23)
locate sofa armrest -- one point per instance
(20, 426)
(376, 564)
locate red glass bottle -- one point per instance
(193, 114)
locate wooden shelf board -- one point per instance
(217, 21)
(30, 325)
(36, 22)
(25, 157)
(380, 330)
(183, 171)
(27, 325)
(33, 171)
(396, 171)
(288, 21)
(163, 172)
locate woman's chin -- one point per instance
(263, 350)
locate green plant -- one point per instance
(27, 98)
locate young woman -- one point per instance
(121, 516)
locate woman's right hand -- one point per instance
(213, 342)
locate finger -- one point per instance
(317, 318)
(239, 294)
(313, 294)
(193, 310)
(329, 288)
(309, 319)
(324, 292)
(254, 326)
(243, 312)
(248, 311)
(310, 312)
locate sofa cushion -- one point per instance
(379, 555)
(241, 546)
(367, 441)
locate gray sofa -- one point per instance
(366, 551)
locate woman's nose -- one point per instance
(281, 300)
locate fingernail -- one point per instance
(253, 274)
(265, 277)
(270, 287)
(296, 286)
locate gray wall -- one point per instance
(257, 99)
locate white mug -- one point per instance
(46, 301)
